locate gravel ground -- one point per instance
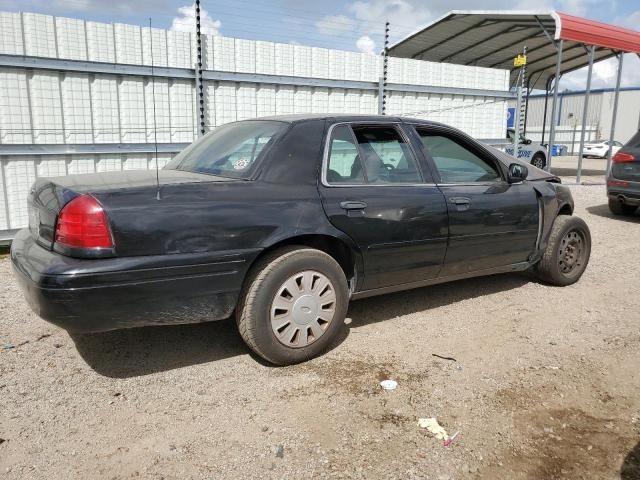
(545, 386)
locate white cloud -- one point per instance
(366, 45)
(185, 21)
(604, 74)
(629, 21)
(335, 24)
(403, 16)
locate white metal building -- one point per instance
(77, 96)
(570, 106)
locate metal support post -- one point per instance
(385, 66)
(546, 104)
(616, 97)
(199, 80)
(516, 123)
(522, 112)
(554, 104)
(585, 112)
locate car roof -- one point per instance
(341, 117)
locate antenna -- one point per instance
(155, 126)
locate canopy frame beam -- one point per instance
(585, 111)
(616, 97)
(554, 104)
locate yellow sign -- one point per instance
(520, 61)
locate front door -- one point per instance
(492, 223)
(373, 190)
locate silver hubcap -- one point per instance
(303, 309)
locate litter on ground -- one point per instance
(434, 427)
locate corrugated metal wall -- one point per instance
(67, 106)
(570, 106)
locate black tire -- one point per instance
(618, 208)
(539, 161)
(560, 266)
(265, 280)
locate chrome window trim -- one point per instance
(397, 126)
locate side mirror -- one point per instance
(517, 173)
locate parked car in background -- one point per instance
(528, 150)
(623, 178)
(282, 221)
(600, 149)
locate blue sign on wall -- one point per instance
(511, 115)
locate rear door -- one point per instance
(373, 189)
(491, 223)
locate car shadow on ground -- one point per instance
(146, 350)
(603, 211)
(387, 307)
(142, 351)
(630, 469)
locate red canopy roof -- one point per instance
(492, 39)
(589, 32)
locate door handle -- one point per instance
(461, 203)
(353, 205)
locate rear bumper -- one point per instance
(626, 198)
(628, 193)
(93, 295)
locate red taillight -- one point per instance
(622, 157)
(82, 223)
(617, 183)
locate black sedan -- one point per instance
(282, 221)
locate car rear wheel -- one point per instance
(618, 208)
(567, 254)
(539, 161)
(293, 305)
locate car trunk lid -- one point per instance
(628, 171)
(48, 196)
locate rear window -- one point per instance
(634, 142)
(233, 150)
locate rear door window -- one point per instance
(344, 164)
(372, 154)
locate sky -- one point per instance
(347, 25)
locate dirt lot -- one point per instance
(546, 386)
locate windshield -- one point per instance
(232, 150)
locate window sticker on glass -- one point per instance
(241, 164)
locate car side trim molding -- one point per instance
(515, 267)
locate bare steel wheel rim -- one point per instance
(303, 308)
(572, 253)
(538, 161)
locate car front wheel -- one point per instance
(293, 305)
(539, 161)
(567, 254)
